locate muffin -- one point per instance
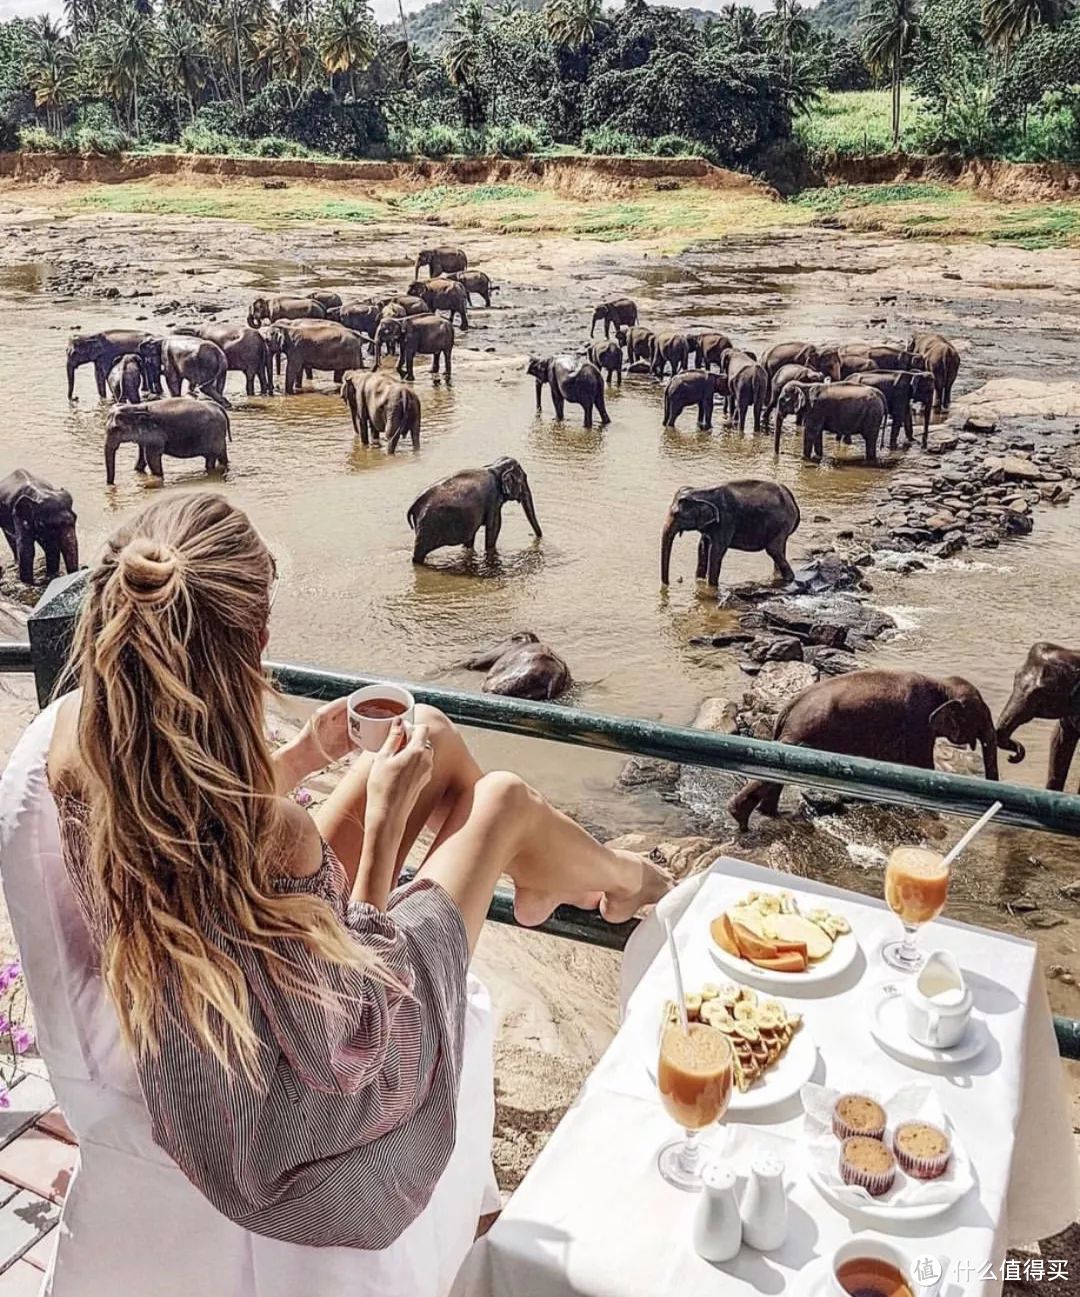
(855, 1114)
(921, 1149)
(868, 1163)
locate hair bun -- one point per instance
(150, 571)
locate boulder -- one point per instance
(984, 423)
(828, 572)
(780, 648)
(831, 661)
(718, 714)
(779, 682)
(722, 640)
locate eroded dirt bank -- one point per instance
(1009, 181)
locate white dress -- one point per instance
(133, 1225)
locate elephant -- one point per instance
(416, 335)
(607, 357)
(452, 511)
(474, 281)
(201, 364)
(709, 347)
(126, 379)
(669, 349)
(520, 666)
(361, 316)
(637, 342)
(780, 379)
(1046, 687)
(845, 409)
(378, 404)
(901, 388)
(317, 344)
(34, 512)
(790, 353)
(619, 311)
(570, 379)
(884, 715)
(184, 427)
(942, 360)
(272, 309)
(326, 298)
(443, 295)
(748, 514)
(245, 349)
(103, 350)
(693, 387)
(748, 387)
(404, 304)
(840, 360)
(440, 260)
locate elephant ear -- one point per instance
(947, 722)
(23, 511)
(512, 480)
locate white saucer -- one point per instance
(889, 1028)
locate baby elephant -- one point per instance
(126, 380)
(748, 515)
(570, 379)
(693, 387)
(381, 404)
(607, 357)
(522, 667)
(884, 715)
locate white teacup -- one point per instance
(937, 1003)
(867, 1248)
(369, 724)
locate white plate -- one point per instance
(785, 1078)
(888, 1025)
(838, 960)
(882, 1214)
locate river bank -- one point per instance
(162, 253)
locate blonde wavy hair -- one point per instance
(186, 833)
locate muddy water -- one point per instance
(334, 512)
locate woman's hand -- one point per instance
(400, 772)
(323, 740)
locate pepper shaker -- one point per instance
(764, 1204)
(717, 1226)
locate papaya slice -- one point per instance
(789, 962)
(722, 934)
(752, 946)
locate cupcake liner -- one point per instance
(875, 1183)
(842, 1130)
(922, 1168)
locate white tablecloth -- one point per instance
(593, 1217)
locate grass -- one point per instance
(440, 196)
(856, 121)
(1056, 225)
(835, 197)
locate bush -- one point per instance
(435, 141)
(275, 146)
(95, 131)
(605, 140)
(675, 146)
(36, 139)
(198, 138)
(514, 140)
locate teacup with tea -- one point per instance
(867, 1267)
(373, 709)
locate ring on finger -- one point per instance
(429, 745)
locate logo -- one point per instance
(927, 1269)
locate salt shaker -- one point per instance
(717, 1226)
(764, 1204)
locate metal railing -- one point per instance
(50, 627)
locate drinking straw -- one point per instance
(973, 832)
(663, 913)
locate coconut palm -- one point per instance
(737, 29)
(123, 53)
(464, 58)
(282, 43)
(786, 29)
(231, 29)
(1007, 22)
(888, 30)
(54, 83)
(347, 39)
(573, 24)
(182, 58)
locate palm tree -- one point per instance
(123, 50)
(464, 58)
(347, 39)
(737, 27)
(282, 43)
(231, 30)
(573, 24)
(53, 80)
(1007, 22)
(182, 58)
(888, 32)
(787, 30)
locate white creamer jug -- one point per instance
(938, 1002)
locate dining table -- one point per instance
(594, 1217)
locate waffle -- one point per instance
(759, 1030)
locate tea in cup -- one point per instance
(937, 1003)
(867, 1267)
(373, 709)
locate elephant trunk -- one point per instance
(1015, 714)
(111, 443)
(71, 367)
(988, 743)
(24, 546)
(530, 511)
(69, 549)
(667, 539)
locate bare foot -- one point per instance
(532, 907)
(650, 882)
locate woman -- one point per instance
(259, 1041)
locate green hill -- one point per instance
(838, 16)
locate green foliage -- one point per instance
(514, 140)
(199, 138)
(36, 139)
(675, 146)
(435, 141)
(604, 140)
(835, 197)
(839, 16)
(856, 123)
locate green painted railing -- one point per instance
(50, 627)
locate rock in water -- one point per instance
(779, 682)
(717, 714)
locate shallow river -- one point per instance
(334, 513)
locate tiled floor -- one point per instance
(37, 1157)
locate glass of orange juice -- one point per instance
(916, 888)
(694, 1076)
